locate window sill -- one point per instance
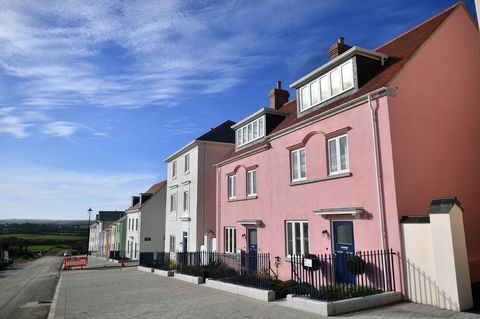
(242, 199)
(321, 179)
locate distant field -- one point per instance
(44, 236)
(44, 247)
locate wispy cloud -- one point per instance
(60, 51)
(32, 190)
(21, 122)
(60, 129)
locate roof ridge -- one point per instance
(451, 8)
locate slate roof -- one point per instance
(400, 50)
(152, 190)
(222, 133)
(104, 215)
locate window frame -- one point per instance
(230, 240)
(174, 169)
(186, 166)
(246, 135)
(299, 168)
(173, 200)
(171, 244)
(186, 200)
(302, 237)
(232, 186)
(251, 183)
(338, 156)
(317, 82)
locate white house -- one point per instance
(191, 188)
(146, 223)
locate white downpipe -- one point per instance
(378, 182)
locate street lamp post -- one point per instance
(89, 211)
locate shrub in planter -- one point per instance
(315, 262)
(281, 288)
(355, 264)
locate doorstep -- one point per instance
(260, 294)
(334, 308)
(145, 269)
(187, 278)
(164, 273)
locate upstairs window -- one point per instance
(230, 240)
(187, 163)
(186, 201)
(251, 131)
(232, 187)
(297, 238)
(333, 83)
(173, 203)
(252, 183)
(174, 169)
(338, 155)
(298, 165)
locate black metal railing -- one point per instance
(343, 275)
(252, 270)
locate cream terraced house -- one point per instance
(191, 187)
(146, 224)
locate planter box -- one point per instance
(333, 308)
(164, 273)
(260, 294)
(145, 269)
(187, 278)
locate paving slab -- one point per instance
(129, 293)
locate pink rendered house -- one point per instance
(372, 136)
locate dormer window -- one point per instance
(331, 84)
(251, 131)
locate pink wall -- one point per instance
(278, 202)
(210, 153)
(435, 122)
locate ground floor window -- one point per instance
(230, 239)
(296, 238)
(172, 243)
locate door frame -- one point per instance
(333, 233)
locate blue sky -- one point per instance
(95, 94)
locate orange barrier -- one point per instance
(76, 261)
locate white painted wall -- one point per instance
(436, 262)
(133, 235)
(181, 221)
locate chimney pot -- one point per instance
(279, 85)
(341, 40)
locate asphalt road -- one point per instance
(27, 289)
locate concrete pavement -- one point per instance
(129, 293)
(27, 289)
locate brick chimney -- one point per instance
(338, 48)
(278, 96)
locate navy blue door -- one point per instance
(252, 249)
(343, 246)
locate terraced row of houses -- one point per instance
(378, 151)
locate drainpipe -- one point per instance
(378, 181)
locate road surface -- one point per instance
(27, 289)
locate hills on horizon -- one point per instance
(43, 221)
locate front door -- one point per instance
(252, 249)
(343, 246)
(185, 242)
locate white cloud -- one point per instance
(14, 125)
(33, 191)
(60, 129)
(160, 48)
